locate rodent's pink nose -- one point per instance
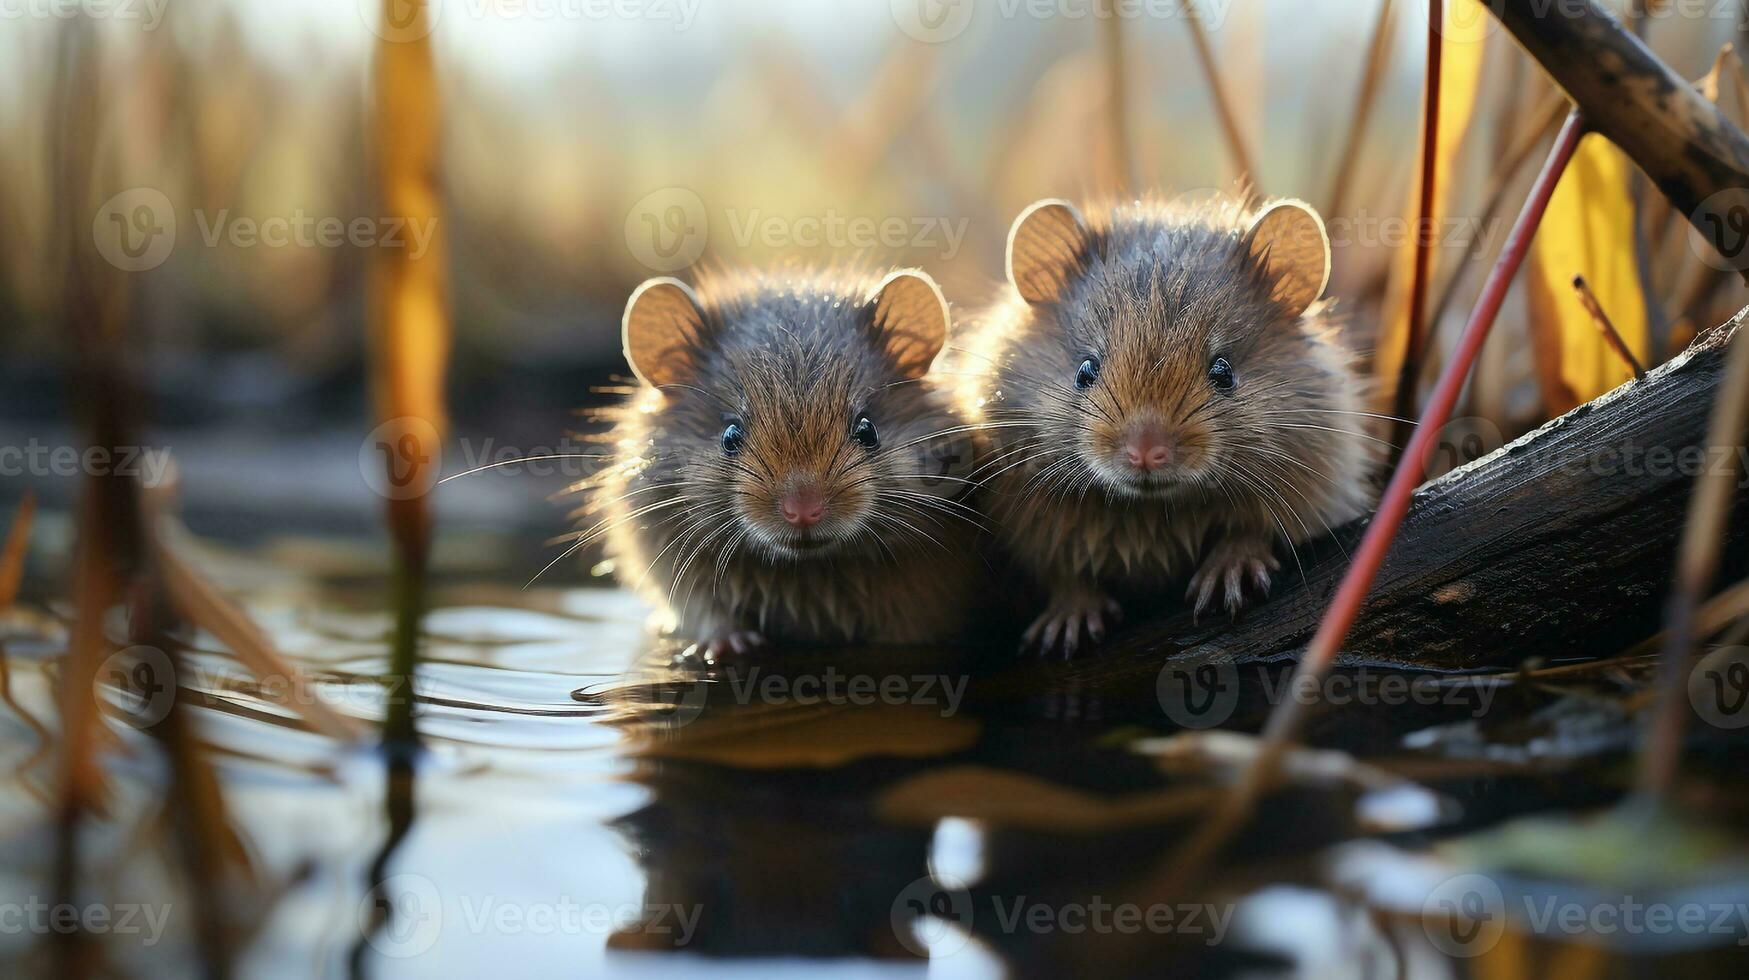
(803, 506)
(1149, 449)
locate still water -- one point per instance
(589, 803)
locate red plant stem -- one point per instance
(1415, 338)
(1284, 721)
(1413, 467)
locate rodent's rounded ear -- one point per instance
(1288, 239)
(910, 320)
(663, 323)
(1046, 247)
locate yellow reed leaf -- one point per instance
(1464, 40)
(1588, 230)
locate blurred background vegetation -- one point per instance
(570, 128)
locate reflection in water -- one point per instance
(591, 805)
(381, 903)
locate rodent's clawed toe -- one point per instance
(1060, 627)
(719, 645)
(1232, 569)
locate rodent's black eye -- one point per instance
(1221, 374)
(864, 432)
(733, 438)
(1087, 373)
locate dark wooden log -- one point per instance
(1696, 156)
(1559, 545)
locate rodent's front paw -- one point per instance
(718, 644)
(1060, 626)
(1230, 569)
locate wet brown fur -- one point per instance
(794, 355)
(1163, 290)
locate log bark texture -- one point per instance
(1559, 545)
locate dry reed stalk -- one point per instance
(17, 546)
(1378, 52)
(1189, 860)
(1120, 158)
(1416, 340)
(1223, 104)
(410, 327)
(1697, 566)
(1610, 335)
(204, 605)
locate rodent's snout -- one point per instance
(1149, 447)
(803, 505)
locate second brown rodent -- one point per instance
(1167, 401)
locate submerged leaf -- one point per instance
(1020, 800)
(799, 735)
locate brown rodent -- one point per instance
(781, 470)
(1166, 402)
